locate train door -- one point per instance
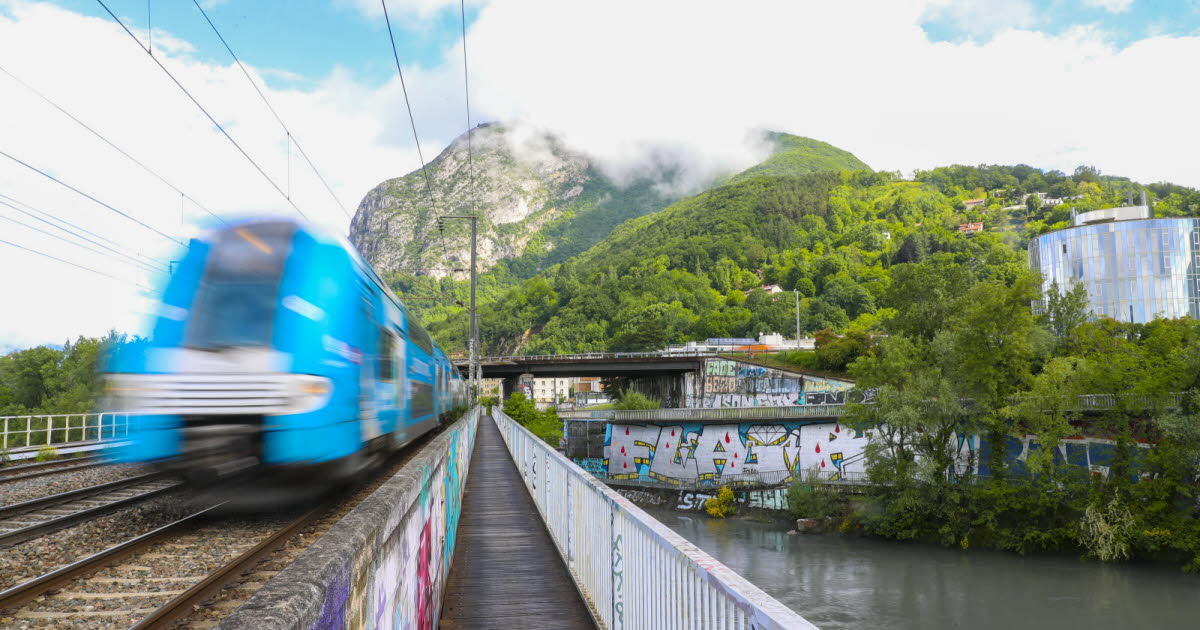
(387, 377)
(368, 415)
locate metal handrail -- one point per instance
(45, 429)
(693, 414)
(635, 571)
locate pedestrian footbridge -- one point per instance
(487, 527)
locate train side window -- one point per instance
(387, 353)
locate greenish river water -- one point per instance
(840, 582)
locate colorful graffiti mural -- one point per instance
(397, 582)
(728, 383)
(721, 454)
(693, 500)
(755, 454)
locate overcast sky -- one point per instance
(903, 84)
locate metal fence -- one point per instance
(742, 481)
(22, 431)
(699, 414)
(635, 572)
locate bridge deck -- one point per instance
(506, 571)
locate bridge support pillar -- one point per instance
(508, 386)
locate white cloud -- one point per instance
(1112, 6)
(631, 83)
(413, 11)
(984, 17)
(861, 75)
(103, 78)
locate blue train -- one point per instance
(277, 350)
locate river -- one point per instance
(841, 582)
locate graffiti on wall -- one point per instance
(721, 454)
(694, 501)
(728, 383)
(398, 583)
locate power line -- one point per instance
(291, 136)
(467, 99)
(205, 111)
(111, 144)
(80, 192)
(129, 258)
(407, 104)
(40, 253)
(77, 227)
(138, 265)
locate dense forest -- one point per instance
(694, 269)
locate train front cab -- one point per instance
(255, 362)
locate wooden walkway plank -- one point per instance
(506, 571)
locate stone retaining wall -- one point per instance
(384, 564)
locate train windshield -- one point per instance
(235, 304)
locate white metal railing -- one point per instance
(37, 430)
(635, 572)
(698, 414)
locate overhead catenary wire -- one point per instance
(205, 111)
(291, 136)
(404, 89)
(33, 212)
(110, 143)
(127, 258)
(462, 4)
(101, 273)
(137, 264)
(80, 192)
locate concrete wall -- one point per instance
(383, 564)
(691, 454)
(772, 500)
(727, 383)
(697, 455)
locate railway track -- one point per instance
(29, 471)
(154, 580)
(23, 521)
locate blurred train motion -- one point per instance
(278, 352)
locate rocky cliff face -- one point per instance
(528, 190)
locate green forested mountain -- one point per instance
(691, 270)
(794, 155)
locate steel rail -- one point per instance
(47, 468)
(183, 604)
(67, 520)
(26, 591)
(26, 506)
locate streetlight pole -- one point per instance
(473, 369)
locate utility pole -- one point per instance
(473, 369)
(797, 294)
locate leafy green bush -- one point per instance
(812, 499)
(631, 400)
(545, 425)
(46, 453)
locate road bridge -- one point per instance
(633, 364)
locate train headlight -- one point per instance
(308, 393)
(120, 393)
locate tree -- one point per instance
(1065, 312)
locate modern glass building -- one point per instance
(1134, 268)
